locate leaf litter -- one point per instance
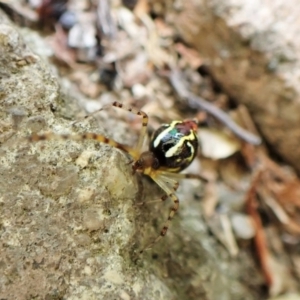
(114, 49)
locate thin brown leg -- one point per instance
(166, 226)
(161, 199)
(80, 137)
(173, 211)
(179, 176)
(143, 132)
(134, 152)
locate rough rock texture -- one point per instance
(69, 228)
(253, 51)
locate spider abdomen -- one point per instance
(175, 145)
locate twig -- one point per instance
(259, 239)
(197, 102)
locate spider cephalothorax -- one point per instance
(172, 148)
(146, 162)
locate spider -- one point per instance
(172, 148)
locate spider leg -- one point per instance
(143, 133)
(172, 178)
(170, 193)
(161, 199)
(173, 185)
(179, 176)
(80, 137)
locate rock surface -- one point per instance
(68, 224)
(253, 50)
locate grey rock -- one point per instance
(69, 227)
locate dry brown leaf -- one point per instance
(191, 56)
(141, 8)
(289, 194)
(216, 144)
(59, 44)
(260, 239)
(220, 226)
(163, 29)
(210, 199)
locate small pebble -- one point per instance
(243, 226)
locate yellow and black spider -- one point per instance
(172, 148)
